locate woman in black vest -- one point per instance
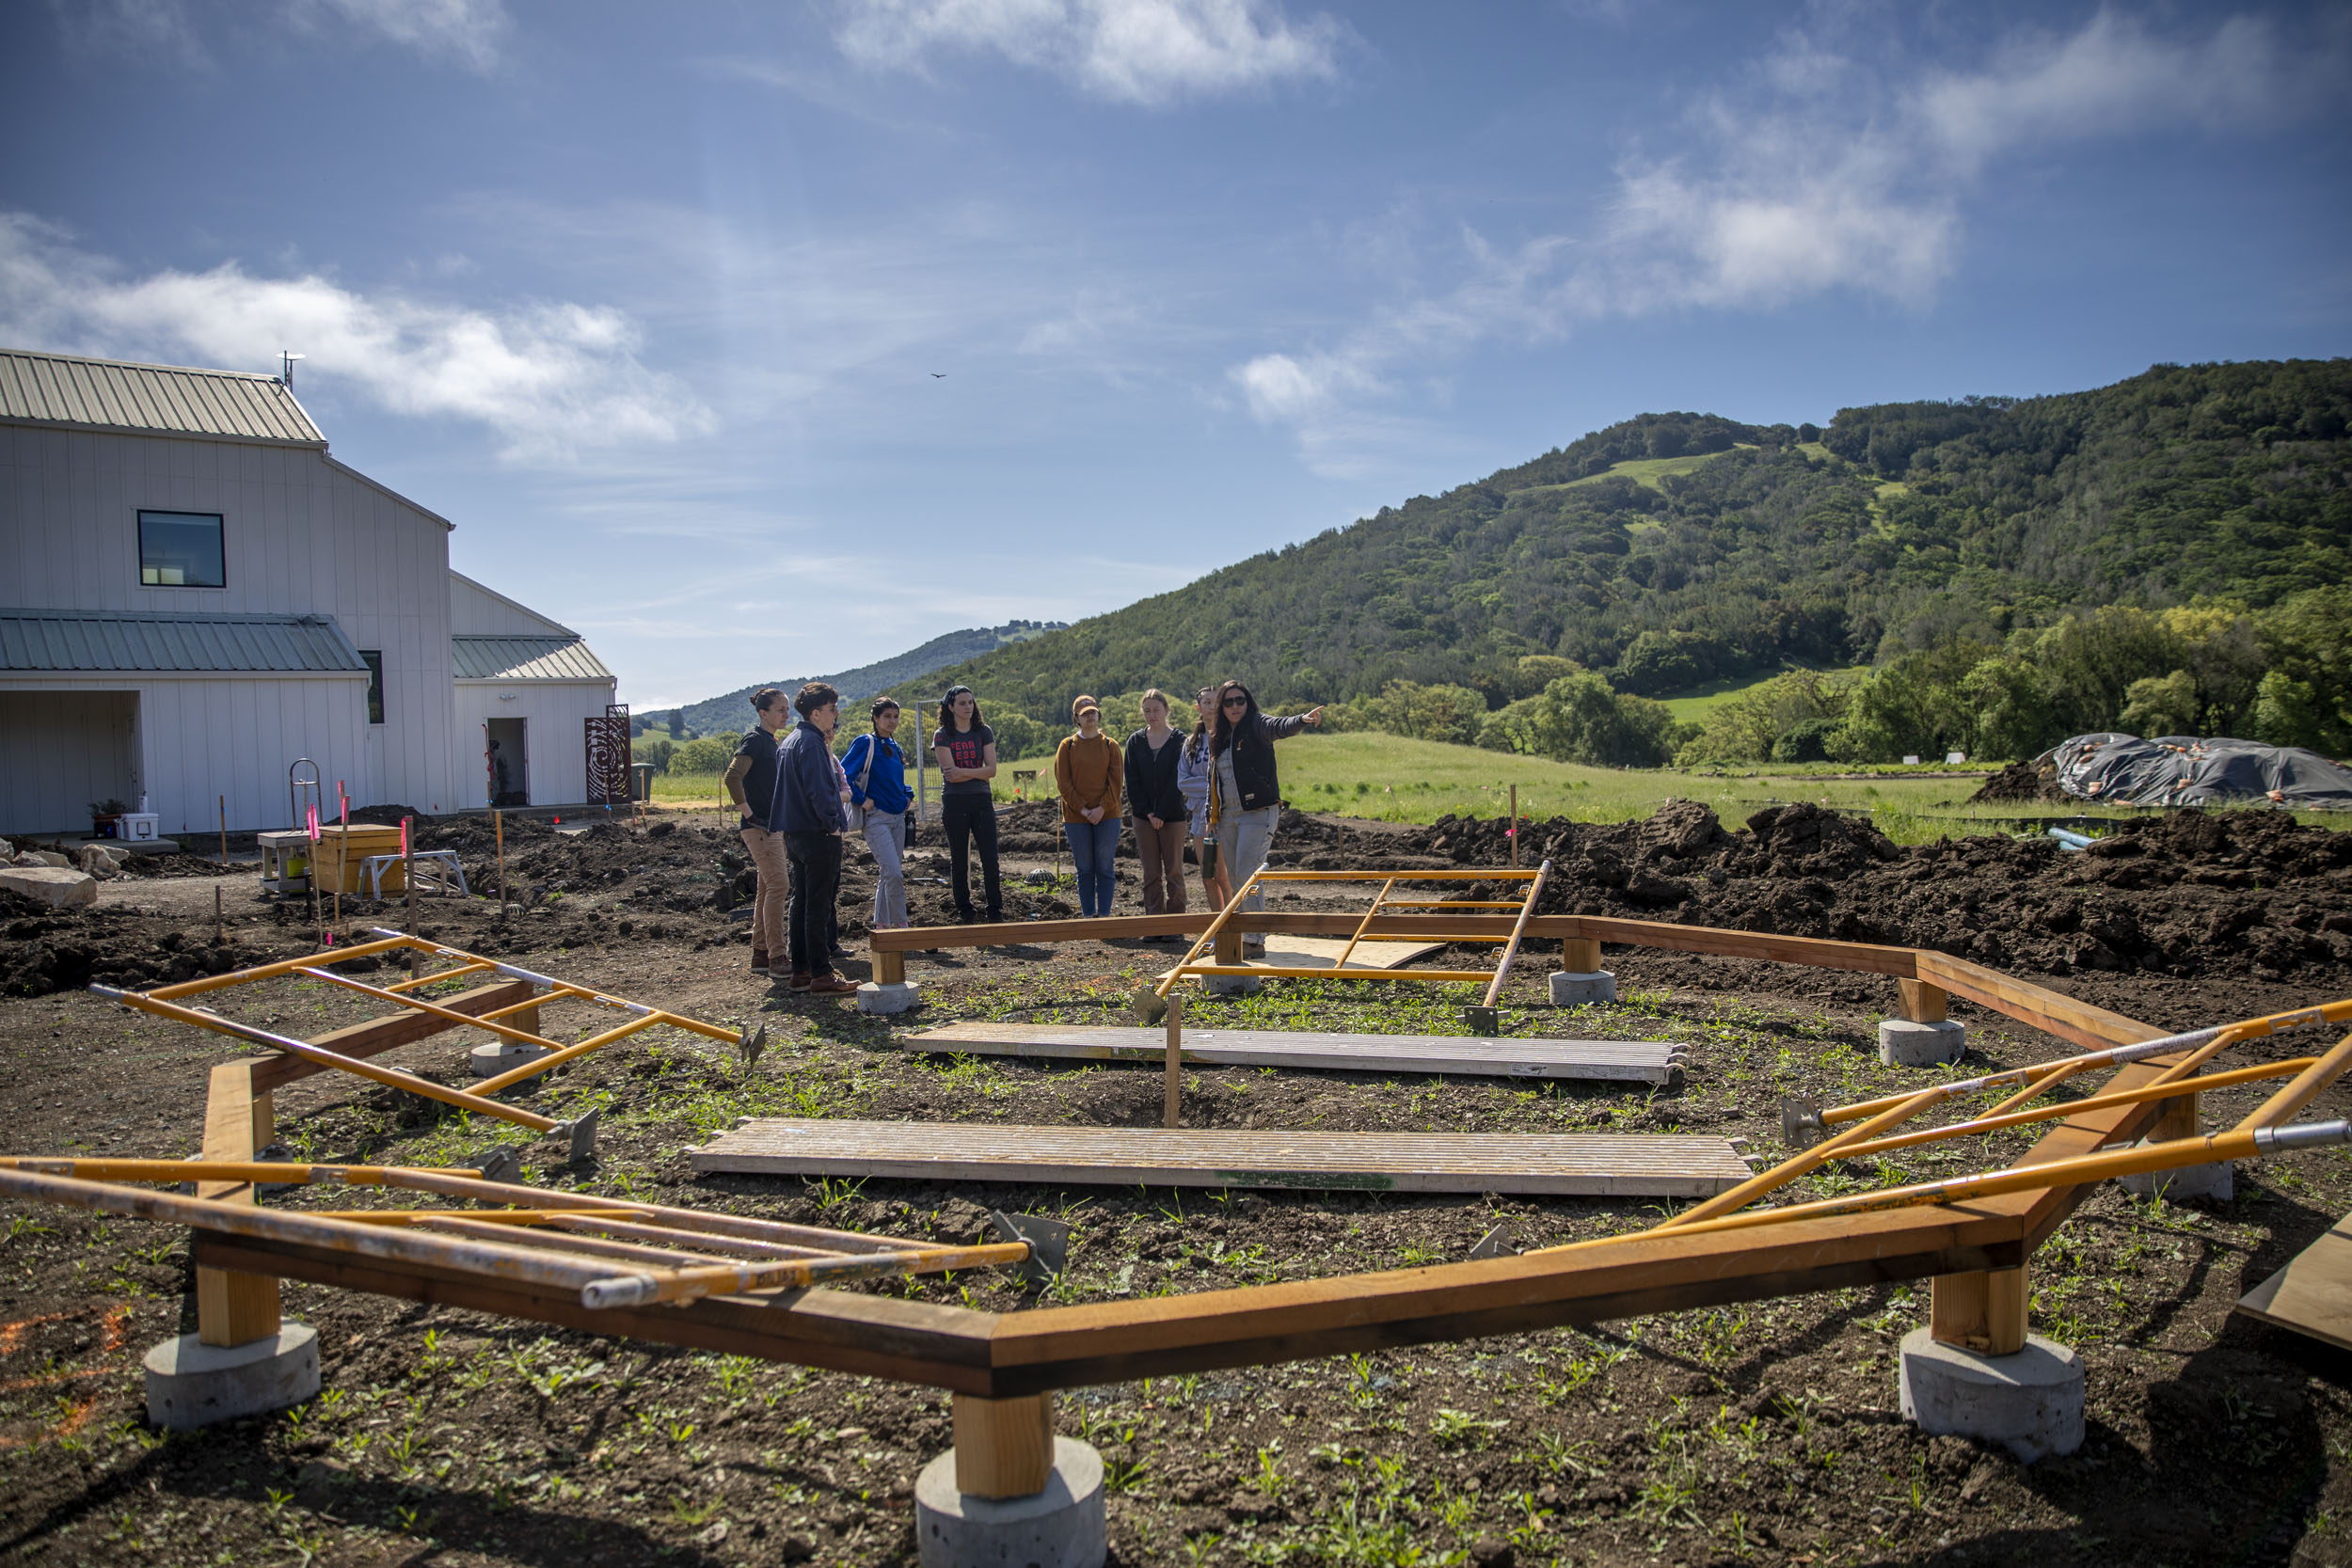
(1244, 791)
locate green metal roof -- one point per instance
(169, 400)
(69, 641)
(525, 658)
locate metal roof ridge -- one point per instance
(141, 365)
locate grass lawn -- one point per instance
(1390, 779)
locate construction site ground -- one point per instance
(1760, 1434)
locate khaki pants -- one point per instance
(1162, 851)
(774, 889)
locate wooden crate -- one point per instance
(329, 862)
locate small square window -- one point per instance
(375, 658)
(180, 549)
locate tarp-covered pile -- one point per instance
(2184, 770)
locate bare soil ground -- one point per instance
(1765, 1432)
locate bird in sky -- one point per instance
(939, 375)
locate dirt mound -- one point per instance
(2021, 783)
(44, 950)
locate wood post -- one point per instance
(890, 967)
(1983, 1312)
(235, 1309)
(1174, 1111)
(1228, 947)
(2178, 1120)
(1581, 956)
(1004, 1448)
(1921, 1000)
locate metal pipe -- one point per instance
(688, 1284)
(2169, 1088)
(268, 971)
(2254, 1144)
(2254, 1028)
(1208, 938)
(563, 1054)
(503, 1031)
(390, 1077)
(515, 971)
(2305, 1089)
(1370, 915)
(479, 967)
(1804, 1159)
(1527, 912)
(226, 1170)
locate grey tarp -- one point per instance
(2184, 770)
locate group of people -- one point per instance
(1216, 788)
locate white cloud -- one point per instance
(1817, 172)
(467, 32)
(1146, 52)
(547, 378)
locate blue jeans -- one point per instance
(1093, 846)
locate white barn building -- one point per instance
(194, 594)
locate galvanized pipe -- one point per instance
(468, 1020)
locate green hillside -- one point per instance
(730, 711)
(1676, 549)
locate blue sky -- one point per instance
(649, 300)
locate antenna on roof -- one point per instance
(289, 357)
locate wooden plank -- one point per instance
(377, 1036)
(2313, 1295)
(1649, 1164)
(1004, 1448)
(2046, 1010)
(1110, 1341)
(1815, 952)
(239, 1120)
(1627, 1061)
(907, 1342)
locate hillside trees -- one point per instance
(2048, 536)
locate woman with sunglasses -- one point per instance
(1244, 793)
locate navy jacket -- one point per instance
(806, 800)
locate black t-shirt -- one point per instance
(965, 749)
(759, 784)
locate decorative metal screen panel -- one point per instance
(607, 756)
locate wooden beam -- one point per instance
(234, 1308)
(1004, 1448)
(873, 1335)
(1920, 1002)
(1581, 955)
(377, 1036)
(2046, 1010)
(1815, 952)
(890, 965)
(1983, 1311)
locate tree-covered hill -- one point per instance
(730, 712)
(1676, 547)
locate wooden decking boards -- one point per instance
(2313, 1293)
(1628, 1061)
(1587, 1165)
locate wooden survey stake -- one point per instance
(1174, 1118)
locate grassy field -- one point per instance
(1390, 779)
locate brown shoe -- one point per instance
(832, 984)
(800, 980)
(760, 961)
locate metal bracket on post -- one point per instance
(1049, 1244)
(1494, 1243)
(582, 1132)
(500, 1165)
(1484, 1021)
(1801, 1124)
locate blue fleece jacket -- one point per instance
(886, 791)
(807, 801)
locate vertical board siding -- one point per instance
(59, 751)
(301, 536)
